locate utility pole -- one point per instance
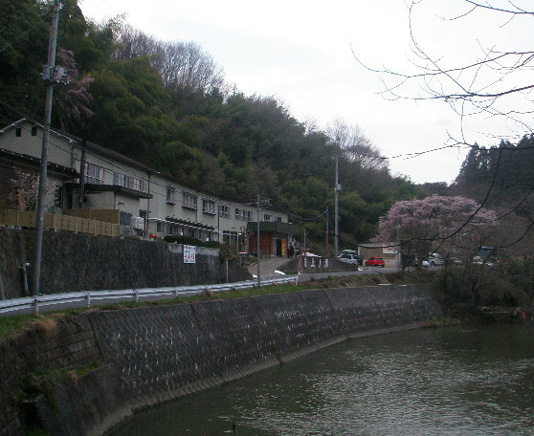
(259, 240)
(50, 76)
(399, 247)
(327, 242)
(336, 224)
(82, 170)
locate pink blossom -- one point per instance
(435, 218)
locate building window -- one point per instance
(94, 174)
(137, 184)
(125, 219)
(58, 197)
(129, 182)
(267, 217)
(247, 215)
(224, 211)
(120, 179)
(278, 219)
(162, 228)
(171, 194)
(208, 206)
(34, 131)
(18, 132)
(229, 236)
(237, 213)
(189, 200)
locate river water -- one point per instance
(462, 381)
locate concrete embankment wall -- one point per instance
(80, 262)
(155, 354)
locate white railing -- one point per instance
(51, 302)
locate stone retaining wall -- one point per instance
(155, 354)
(44, 347)
(81, 262)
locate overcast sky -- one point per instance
(301, 52)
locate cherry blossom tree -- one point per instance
(437, 222)
(73, 98)
(24, 187)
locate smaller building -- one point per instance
(274, 237)
(389, 251)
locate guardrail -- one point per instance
(51, 302)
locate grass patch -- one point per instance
(41, 380)
(38, 432)
(443, 321)
(9, 326)
(44, 324)
(208, 295)
(44, 380)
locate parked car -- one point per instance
(455, 261)
(375, 261)
(487, 256)
(434, 259)
(411, 261)
(351, 258)
(488, 261)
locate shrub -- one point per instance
(185, 240)
(190, 240)
(212, 244)
(485, 286)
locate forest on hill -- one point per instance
(167, 105)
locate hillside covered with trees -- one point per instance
(167, 105)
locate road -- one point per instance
(303, 277)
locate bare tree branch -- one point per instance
(483, 87)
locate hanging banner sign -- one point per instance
(190, 253)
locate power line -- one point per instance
(516, 206)
(436, 149)
(297, 216)
(466, 222)
(481, 205)
(523, 236)
(469, 219)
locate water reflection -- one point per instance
(477, 381)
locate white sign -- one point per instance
(189, 253)
(390, 250)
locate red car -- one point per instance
(375, 261)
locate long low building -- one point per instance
(91, 181)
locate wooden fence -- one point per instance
(52, 221)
